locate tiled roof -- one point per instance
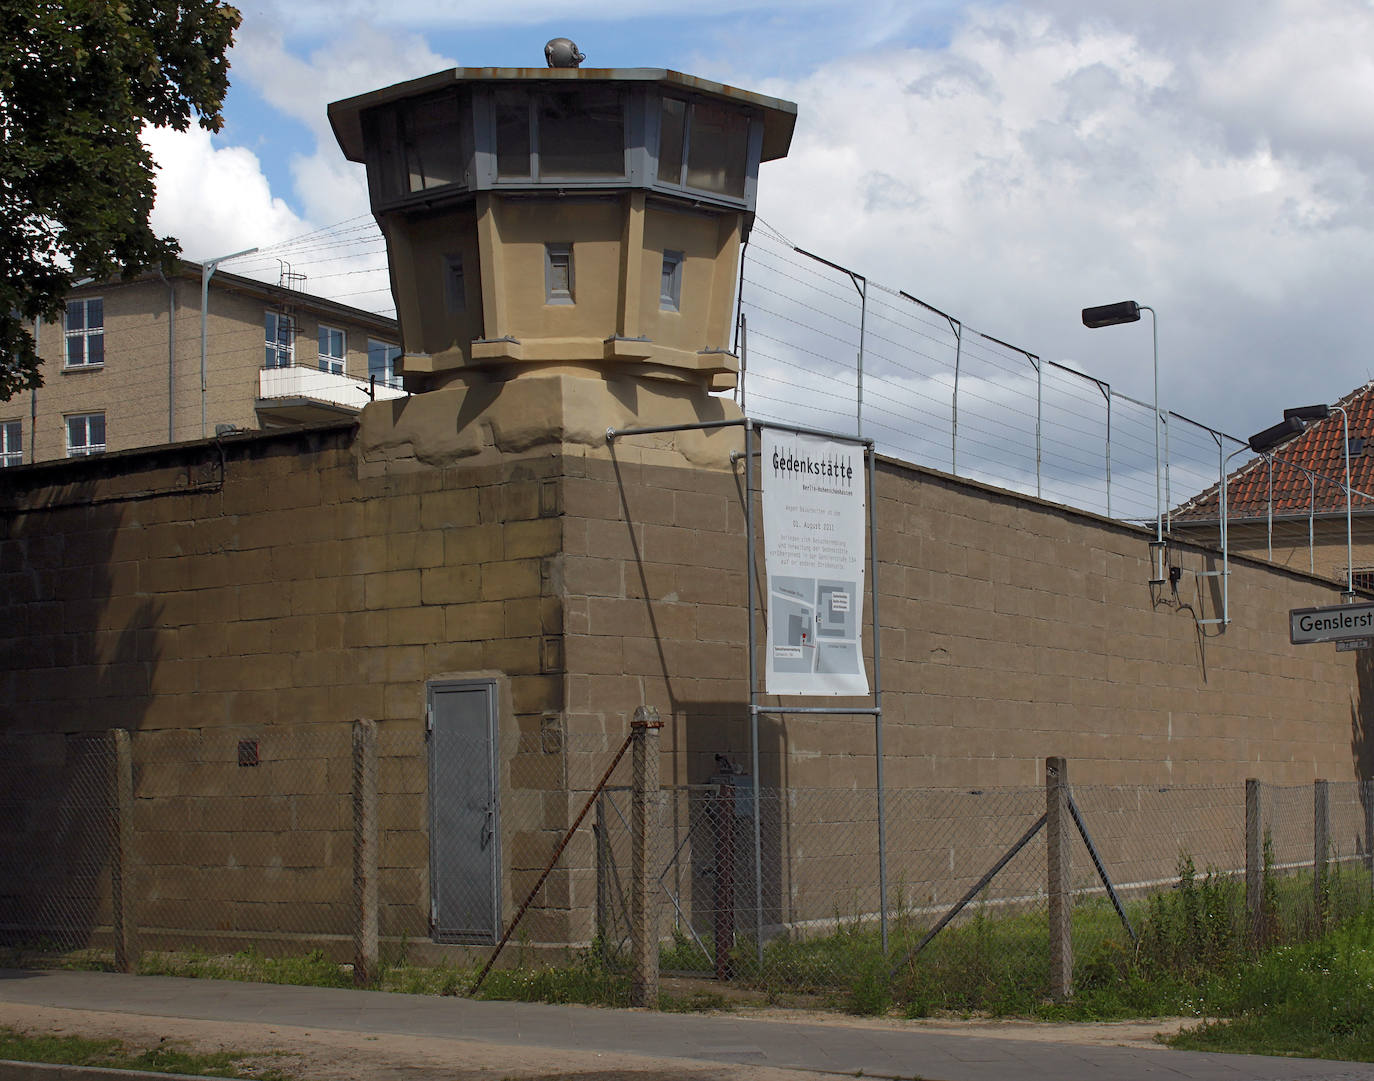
(1308, 471)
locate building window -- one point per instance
(702, 145)
(85, 434)
(560, 132)
(455, 285)
(381, 362)
(281, 340)
(84, 327)
(558, 273)
(1361, 578)
(670, 287)
(11, 443)
(331, 350)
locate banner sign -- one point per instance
(814, 519)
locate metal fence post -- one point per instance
(1321, 834)
(365, 843)
(644, 730)
(123, 889)
(603, 930)
(1058, 838)
(724, 901)
(1254, 860)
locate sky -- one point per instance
(1008, 164)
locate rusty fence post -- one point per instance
(1058, 863)
(123, 888)
(365, 855)
(644, 730)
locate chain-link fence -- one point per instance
(405, 844)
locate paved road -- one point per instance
(832, 1048)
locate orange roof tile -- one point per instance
(1308, 472)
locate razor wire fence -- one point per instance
(228, 844)
(827, 347)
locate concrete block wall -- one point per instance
(273, 594)
(278, 586)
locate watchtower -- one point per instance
(564, 221)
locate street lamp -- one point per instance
(207, 271)
(1110, 315)
(1302, 414)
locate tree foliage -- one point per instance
(79, 79)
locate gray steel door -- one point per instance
(464, 820)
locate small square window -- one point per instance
(558, 273)
(332, 350)
(670, 287)
(455, 285)
(85, 434)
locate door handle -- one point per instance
(488, 827)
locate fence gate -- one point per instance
(464, 813)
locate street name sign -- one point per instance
(1334, 624)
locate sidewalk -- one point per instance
(698, 1039)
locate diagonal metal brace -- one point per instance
(1101, 870)
(910, 955)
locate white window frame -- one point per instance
(331, 362)
(85, 336)
(273, 322)
(81, 423)
(385, 373)
(558, 264)
(11, 443)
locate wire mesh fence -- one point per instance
(229, 843)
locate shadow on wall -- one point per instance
(81, 652)
(1362, 731)
(1362, 716)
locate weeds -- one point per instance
(110, 1053)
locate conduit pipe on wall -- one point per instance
(171, 354)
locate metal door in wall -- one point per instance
(464, 814)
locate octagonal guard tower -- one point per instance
(564, 246)
(550, 222)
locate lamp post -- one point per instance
(207, 271)
(1302, 414)
(1110, 315)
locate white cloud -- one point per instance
(215, 200)
(1042, 162)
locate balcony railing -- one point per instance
(302, 383)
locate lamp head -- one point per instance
(1109, 315)
(1281, 432)
(1308, 412)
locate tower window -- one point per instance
(558, 273)
(670, 288)
(455, 285)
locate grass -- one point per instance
(161, 1058)
(1295, 988)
